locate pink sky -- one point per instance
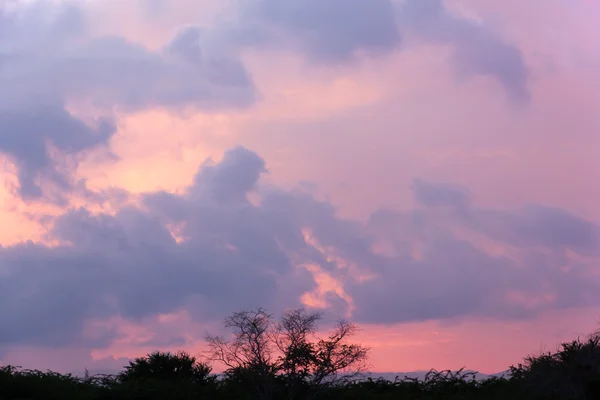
(431, 172)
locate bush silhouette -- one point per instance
(283, 359)
(165, 366)
(162, 375)
(571, 373)
(16, 383)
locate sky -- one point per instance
(427, 169)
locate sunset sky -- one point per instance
(428, 169)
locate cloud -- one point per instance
(26, 136)
(130, 264)
(449, 276)
(48, 60)
(539, 225)
(212, 251)
(47, 294)
(530, 226)
(435, 195)
(477, 49)
(231, 179)
(326, 30)
(110, 70)
(122, 74)
(335, 31)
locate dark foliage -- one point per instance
(168, 367)
(284, 360)
(572, 373)
(269, 358)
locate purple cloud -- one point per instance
(451, 277)
(46, 62)
(232, 254)
(532, 225)
(333, 31)
(327, 30)
(25, 136)
(437, 195)
(477, 50)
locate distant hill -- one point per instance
(390, 376)
(421, 375)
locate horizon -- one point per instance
(390, 376)
(426, 169)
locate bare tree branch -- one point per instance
(263, 351)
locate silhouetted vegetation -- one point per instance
(285, 359)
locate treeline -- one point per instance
(267, 359)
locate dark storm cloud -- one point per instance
(234, 254)
(477, 50)
(47, 60)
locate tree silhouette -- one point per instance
(263, 352)
(248, 355)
